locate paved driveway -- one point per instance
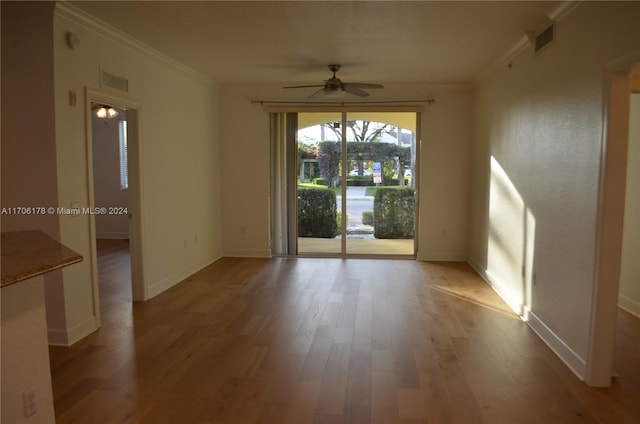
(357, 203)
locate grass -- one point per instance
(336, 190)
(310, 185)
(370, 191)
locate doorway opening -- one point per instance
(110, 194)
(351, 184)
(618, 231)
(113, 147)
(627, 341)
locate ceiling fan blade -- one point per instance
(317, 93)
(363, 85)
(334, 87)
(355, 90)
(305, 86)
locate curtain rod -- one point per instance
(429, 101)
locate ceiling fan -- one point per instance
(334, 87)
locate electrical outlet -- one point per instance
(29, 402)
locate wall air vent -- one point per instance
(543, 39)
(114, 81)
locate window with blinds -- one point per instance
(124, 161)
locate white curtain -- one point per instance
(283, 190)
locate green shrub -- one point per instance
(367, 218)
(317, 215)
(388, 178)
(320, 181)
(357, 181)
(393, 209)
(390, 182)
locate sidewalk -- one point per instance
(357, 202)
(355, 193)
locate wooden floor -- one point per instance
(325, 341)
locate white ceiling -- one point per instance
(291, 42)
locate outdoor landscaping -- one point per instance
(391, 218)
(380, 191)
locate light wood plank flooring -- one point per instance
(325, 341)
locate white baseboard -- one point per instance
(67, 337)
(575, 363)
(166, 283)
(630, 305)
(512, 299)
(112, 236)
(571, 359)
(249, 253)
(440, 257)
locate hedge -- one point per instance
(360, 181)
(393, 210)
(317, 213)
(367, 218)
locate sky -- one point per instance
(312, 135)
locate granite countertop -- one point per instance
(26, 254)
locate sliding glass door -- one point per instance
(379, 188)
(355, 186)
(318, 183)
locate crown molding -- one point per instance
(561, 10)
(505, 59)
(625, 62)
(91, 23)
(556, 14)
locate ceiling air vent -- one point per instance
(114, 81)
(543, 39)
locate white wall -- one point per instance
(28, 150)
(245, 170)
(535, 173)
(25, 354)
(180, 162)
(629, 296)
(444, 161)
(28, 138)
(107, 191)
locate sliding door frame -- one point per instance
(290, 207)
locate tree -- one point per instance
(363, 132)
(307, 154)
(329, 161)
(329, 154)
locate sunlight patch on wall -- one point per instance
(511, 241)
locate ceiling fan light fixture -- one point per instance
(333, 91)
(112, 112)
(101, 112)
(105, 112)
(334, 87)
